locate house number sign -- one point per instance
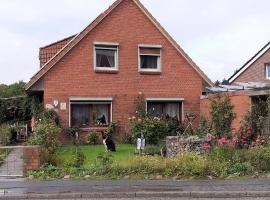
(63, 106)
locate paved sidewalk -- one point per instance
(13, 164)
(62, 189)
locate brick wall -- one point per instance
(240, 100)
(31, 157)
(74, 75)
(256, 72)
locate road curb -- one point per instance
(142, 194)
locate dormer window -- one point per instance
(150, 58)
(267, 66)
(106, 56)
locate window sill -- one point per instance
(95, 128)
(150, 72)
(107, 71)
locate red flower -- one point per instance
(210, 136)
(235, 140)
(206, 147)
(222, 141)
(249, 131)
(49, 138)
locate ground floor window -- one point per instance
(165, 109)
(90, 114)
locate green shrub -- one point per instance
(5, 135)
(111, 130)
(51, 115)
(152, 150)
(204, 127)
(222, 115)
(224, 153)
(174, 126)
(49, 158)
(127, 139)
(77, 160)
(187, 164)
(259, 157)
(92, 138)
(46, 135)
(140, 106)
(153, 128)
(104, 159)
(240, 168)
(72, 131)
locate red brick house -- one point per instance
(257, 69)
(92, 78)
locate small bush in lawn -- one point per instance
(49, 158)
(152, 150)
(77, 160)
(104, 159)
(92, 138)
(5, 135)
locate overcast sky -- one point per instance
(219, 35)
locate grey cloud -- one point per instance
(219, 35)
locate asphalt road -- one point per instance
(22, 187)
(174, 199)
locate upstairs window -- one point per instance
(106, 56)
(267, 71)
(150, 58)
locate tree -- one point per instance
(222, 114)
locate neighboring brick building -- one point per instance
(92, 78)
(257, 69)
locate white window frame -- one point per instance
(159, 60)
(91, 100)
(267, 65)
(114, 46)
(168, 100)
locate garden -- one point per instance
(222, 152)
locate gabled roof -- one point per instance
(48, 51)
(75, 40)
(249, 62)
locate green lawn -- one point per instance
(123, 154)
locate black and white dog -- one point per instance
(108, 143)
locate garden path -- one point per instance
(13, 164)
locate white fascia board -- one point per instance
(249, 64)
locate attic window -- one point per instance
(150, 58)
(106, 56)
